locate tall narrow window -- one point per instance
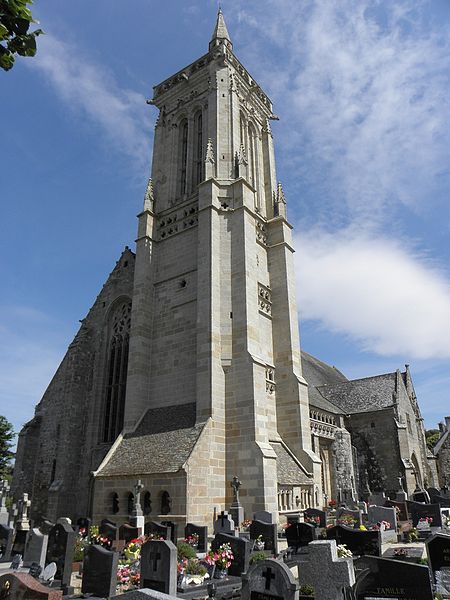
(183, 157)
(116, 374)
(198, 167)
(252, 155)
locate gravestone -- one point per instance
(84, 525)
(264, 516)
(438, 551)
(19, 543)
(64, 521)
(35, 570)
(99, 571)
(268, 533)
(4, 491)
(23, 506)
(202, 533)
(6, 540)
(173, 530)
(127, 532)
(158, 530)
(60, 549)
(236, 508)
(45, 526)
(269, 580)
(35, 548)
(312, 514)
(443, 502)
(145, 594)
(108, 529)
(421, 496)
(387, 578)
(324, 571)
(405, 553)
(344, 514)
(22, 586)
(360, 543)
(377, 499)
(159, 566)
(137, 516)
(224, 524)
(48, 574)
(299, 535)
(402, 507)
(16, 562)
(422, 511)
(240, 548)
(376, 514)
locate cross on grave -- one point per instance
(268, 576)
(334, 575)
(4, 490)
(223, 516)
(138, 487)
(23, 505)
(155, 556)
(235, 484)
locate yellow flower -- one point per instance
(362, 528)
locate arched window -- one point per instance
(114, 503)
(183, 156)
(130, 503)
(166, 503)
(147, 509)
(198, 163)
(116, 372)
(252, 155)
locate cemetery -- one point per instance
(352, 551)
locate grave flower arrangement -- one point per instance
(132, 550)
(128, 576)
(343, 551)
(332, 503)
(313, 520)
(412, 535)
(80, 544)
(97, 538)
(426, 521)
(347, 520)
(192, 540)
(381, 526)
(220, 558)
(246, 524)
(259, 543)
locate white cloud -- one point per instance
(121, 115)
(389, 300)
(362, 88)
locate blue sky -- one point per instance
(362, 90)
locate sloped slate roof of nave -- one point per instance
(362, 395)
(318, 373)
(158, 444)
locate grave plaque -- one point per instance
(269, 580)
(202, 533)
(314, 515)
(159, 566)
(392, 579)
(240, 548)
(25, 587)
(268, 533)
(99, 571)
(35, 548)
(299, 535)
(423, 511)
(157, 530)
(60, 549)
(6, 540)
(361, 543)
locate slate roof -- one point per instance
(362, 395)
(318, 373)
(441, 441)
(158, 444)
(289, 471)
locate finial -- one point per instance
(279, 202)
(220, 34)
(149, 197)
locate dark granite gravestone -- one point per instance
(99, 571)
(127, 532)
(35, 548)
(443, 502)
(108, 529)
(349, 518)
(300, 534)
(202, 533)
(432, 492)
(158, 530)
(22, 586)
(173, 530)
(402, 506)
(224, 524)
(421, 496)
(6, 540)
(438, 550)
(265, 516)
(422, 511)
(60, 549)
(361, 543)
(20, 540)
(404, 553)
(159, 566)
(268, 533)
(377, 514)
(240, 549)
(269, 580)
(84, 524)
(45, 526)
(393, 579)
(311, 514)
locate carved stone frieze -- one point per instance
(177, 221)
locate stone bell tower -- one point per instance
(214, 320)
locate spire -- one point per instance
(220, 34)
(279, 202)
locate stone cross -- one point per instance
(4, 489)
(24, 504)
(13, 512)
(137, 517)
(334, 575)
(236, 484)
(138, 487)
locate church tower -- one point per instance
(214, 328)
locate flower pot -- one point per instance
(220, 573)
(76, 566)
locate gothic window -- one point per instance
(130, 503)
(114, 503)
(116, 372)
(198, 165)
(147, 503)
(166, 503)
(183, 156)
(252, 155)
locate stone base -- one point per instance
(237, 514)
